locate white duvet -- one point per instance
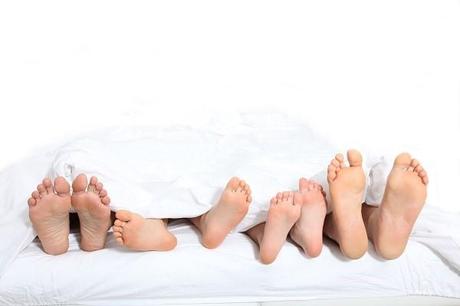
(179, 172)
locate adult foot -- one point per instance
(283, 213)
(233, 205)
(404, 197)
(139, 234)
(91, 203)
(49, 208)
(346, 186)
(307, 232)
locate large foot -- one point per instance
(139, 234)
(49, 209)
(283, 213)
(346, 185)
(233, 205)
(404, 197)
(307, 232)
(92, 206)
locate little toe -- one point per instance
(249, 199)
(117, 234)
(123, 215)
(119, 241)
(61, 186)
(80, 183)
(32, 202)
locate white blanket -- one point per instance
(179, 172)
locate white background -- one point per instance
(381, 76)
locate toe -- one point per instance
(335, 162)
(355, 158)
(403, 160)
(124, 215)
(233, 183)
(414, 163)
(36, 195)
(80, 183)
(303, 182)
(120, 241)
(119, 223)
(105, 200)
(41, 189)
(32, 202)
(249, 200)
(272, 201)
(117, 229)
(279, 196)
(331, 173)
(93, 181)
(61, 186)
(339, 157)
(48, 185)
(99, 186)
(103, 193)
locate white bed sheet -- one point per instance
(231, 273)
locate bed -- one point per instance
(428, 271)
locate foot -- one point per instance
(404, 197)
(92, 206)
(346, 185)
(139, 234)
(233, 205)
(283, 213)
(307, 232)
(49, 209)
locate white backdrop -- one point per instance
(381, 76)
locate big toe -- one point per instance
(403, 160)
(354, 158)
(124, 215)
(80, 183)
(233, 183)
(61, 186)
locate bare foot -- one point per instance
(346, 185)
(404, 197)
(233, 205)
(139, 234)
(308, 230)
(49, 209)
(283, 213)
(92, 206)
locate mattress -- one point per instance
(192, 274)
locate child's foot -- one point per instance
(49, 209)
(308, 230)
(404, 196)
(139, 234)
(346, 186)
(233, 205)
(92, 206)
(284, 212)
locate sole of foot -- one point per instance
(231, 208)
(139, 234)
(346, 186)
(49, 208)
(404, 198)
(307, 232)
(283, 213)
(91, 203)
